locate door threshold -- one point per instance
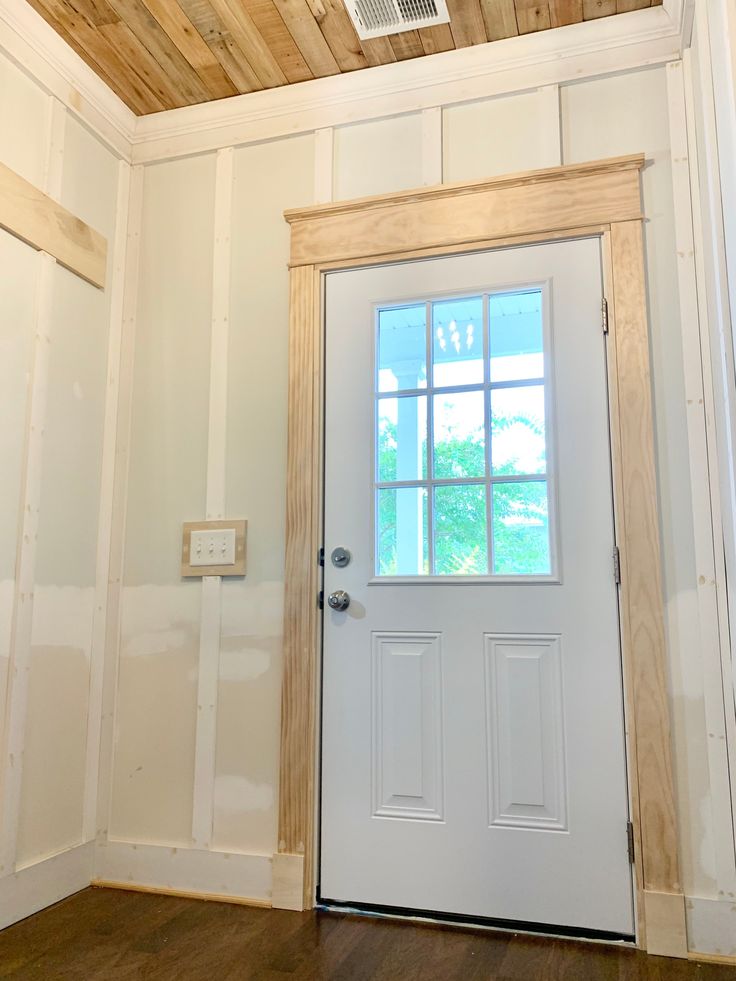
(496, 925)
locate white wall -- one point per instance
(54, 350)
(164, 737)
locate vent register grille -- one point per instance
(376, 18)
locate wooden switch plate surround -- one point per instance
(197, 571)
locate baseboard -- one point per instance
(211, 897)
(711, 928)
(44, 883)
(225, 876)
(693, 955)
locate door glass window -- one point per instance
(462, 474)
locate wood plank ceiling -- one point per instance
(160, 54)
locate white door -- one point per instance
(473, 755)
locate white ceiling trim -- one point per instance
(605, 46)
(41, 53)
(599, 47)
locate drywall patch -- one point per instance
(238, 795)
(243, 663)
(153, 770)
(711, 925)
(62, 617)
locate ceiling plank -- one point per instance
(94, 48)
(532, 16)
(436, 38)
(282, 45)
(159, 54)
(146, 28)
(563, 12)
(243, 31)
(378, 51)
(235, 64)
(339, 33)
(309, 38)
(593, 9)
(193, 46)
(97, 12)
(500, 18)
(143, 63)
(215, 35)
(466, 22)
(406, 45)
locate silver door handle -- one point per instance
(339, 600)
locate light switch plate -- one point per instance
(213, 548)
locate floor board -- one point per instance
(112, 935)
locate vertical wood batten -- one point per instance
(106, 516)
(119, 500)
(13, 736)
(211, 607)
(642, 595)
(298, 697)
(712, 627)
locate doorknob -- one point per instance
(339, 600)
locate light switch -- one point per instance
(215, 547)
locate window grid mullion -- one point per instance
(430, 438)
(487, 430)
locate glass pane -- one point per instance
(520, 529)
(517, 430)
(457, 341)
(460, 539)
(402, 532)
(459, 435)
(515, 321)
(402, 348)
(401, 453)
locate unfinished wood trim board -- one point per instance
(42, 223)
(601, 198)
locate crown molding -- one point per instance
(600, 47)
(605, 46)
(36, 48)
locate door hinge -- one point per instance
(321, 556)
(630, 841)
(616, 565)
(321, 600)
(604, 314)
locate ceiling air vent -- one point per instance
(376, 18)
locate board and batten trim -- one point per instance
(602, 198)
(45, 225)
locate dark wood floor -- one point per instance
(116, 936)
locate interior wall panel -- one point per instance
(24, 108)
(377, 157)
(267, 178)
(634, 107)
(53, 772)
(65, 563)
(157, 683)
(495, 136)
(17, 302)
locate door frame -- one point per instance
(600, 199)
